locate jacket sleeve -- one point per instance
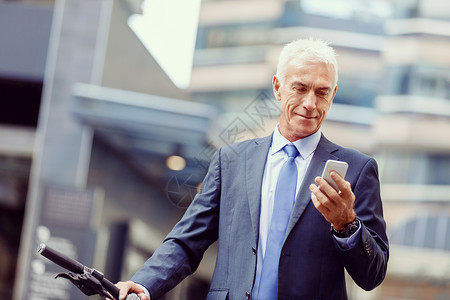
(183, 248)
(367, 261)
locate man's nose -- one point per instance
(309, 102)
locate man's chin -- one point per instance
(300, 133)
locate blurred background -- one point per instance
(111, 110)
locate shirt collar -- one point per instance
(305, 146)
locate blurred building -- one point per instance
(237, 50)
(414, 149)
(101, 152)
(112, 132)
(23, 54)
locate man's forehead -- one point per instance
(318, 82)
(302, 72)
(325, 84)
(303, 62)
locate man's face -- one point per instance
(306, 97)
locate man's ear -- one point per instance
(334, 93)
(276, 87)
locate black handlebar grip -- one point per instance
(61, 259)
(110, 287)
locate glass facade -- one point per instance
(237, 43)
(420, 80)
(415, 167)
(424, 231)
(233, 35)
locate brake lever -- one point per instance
(86, 283)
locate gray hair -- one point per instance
(313, 50)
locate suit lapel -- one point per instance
(322, 153)
(255, 158)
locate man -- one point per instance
(283, 231)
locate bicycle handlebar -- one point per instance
(78, 268)
(61, 259)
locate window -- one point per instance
(424, 231)
(400, 167)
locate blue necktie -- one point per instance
(282, 208)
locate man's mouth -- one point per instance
(305, 116)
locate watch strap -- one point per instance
(348, 230)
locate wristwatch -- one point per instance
(348, 230)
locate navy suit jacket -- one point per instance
(227, 209)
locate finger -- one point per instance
(123, 294)
(132, 287)
(315, 201)
(340, 181)
(344, 186)
(318, 205)
(315, 190)
(327, 189)
(313, 196)
(320, 200)
(142, 296)
(124, 287)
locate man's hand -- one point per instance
(130, 287)
(336, 207)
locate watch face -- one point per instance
(348, 230)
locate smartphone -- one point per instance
(339, 166)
